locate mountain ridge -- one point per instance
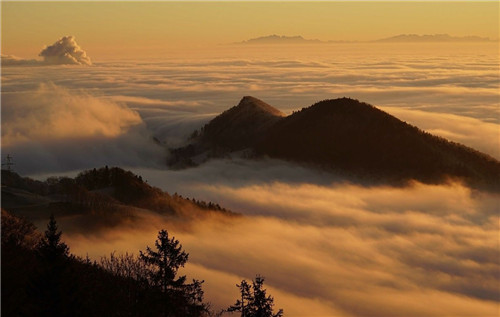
(357, 139)
(275, 39)
(100, 197)
(235, 129)
(280, 39)
(433, 38)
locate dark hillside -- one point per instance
(241, 126)
(38, 282)
(355, 137)
(237, 128)
(105, 196)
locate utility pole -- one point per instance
(9, 163)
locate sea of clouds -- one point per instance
(454, 95)
(327, 247)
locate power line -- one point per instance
(9, 163)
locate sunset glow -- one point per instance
(348, 152)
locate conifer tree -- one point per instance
(50, 246)
(51, 290)
(179, 299)
(262, 305)
(254, 301)
(243, 305)
(165, 262)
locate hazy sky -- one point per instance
(129, 28)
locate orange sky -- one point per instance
(133, 28)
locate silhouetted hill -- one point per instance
(238, 127)
(105, 196)
(37, 282)
(432, 38)
(359, 140)
(235, 129)
(348, 135)
(280, 39)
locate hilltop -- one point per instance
(97, 197)
(347, 137)
(237, 128)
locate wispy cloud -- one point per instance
(55, 129)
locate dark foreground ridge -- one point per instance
(97, 198)
(40, 277)
(344, 136)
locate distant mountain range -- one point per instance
(281, 39)
(433, 38)
(343, 135)
(401, 38)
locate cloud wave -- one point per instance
(52, 112)
(338, 250)
(55, 129)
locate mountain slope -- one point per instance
(350, 137)
(237, 128)
(105, 196)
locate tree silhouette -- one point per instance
(52, 292)
(179, 299)
(243, 305)
(254, 301)
(50, 246)
(165, 262)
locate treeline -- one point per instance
(41, 278)
(101, 190)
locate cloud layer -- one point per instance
(52, 112)
(437, 89)
(330, 249)
(326, 247)
(52, 128)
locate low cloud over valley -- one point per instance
(327, 246)
(330, 249)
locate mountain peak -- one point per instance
(240, 126)
(253, 104)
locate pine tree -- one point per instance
(243, 305)
(52, 292)
(179, 299)
(254, 301)
(165, 262)
(50, 246)
(262, 305)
